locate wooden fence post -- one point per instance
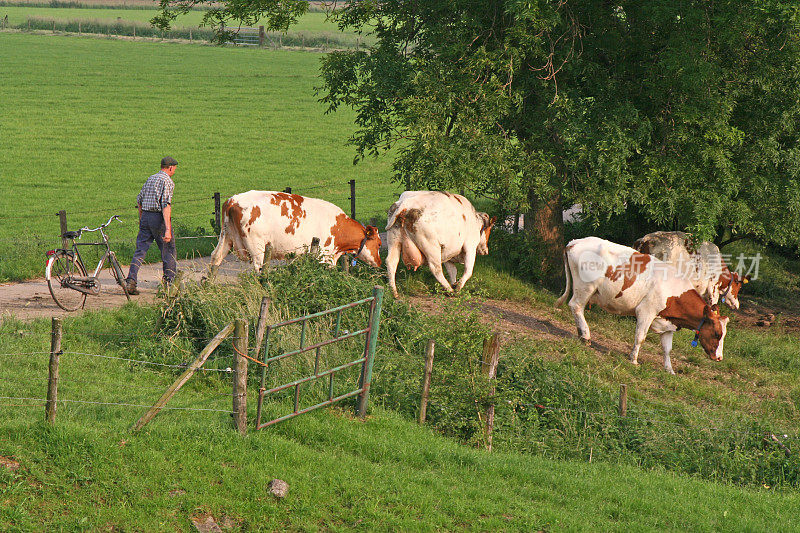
(261, 36)
(623, 400)
(314, 246)
(52, 381)
(134, 32)
(217, 222)
(491, 356)
(240, 377)
(352, 199)
(190, 34)
(262, 325)
(62, 219)
(79, 27)
(426, 381)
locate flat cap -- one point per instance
(168, 162)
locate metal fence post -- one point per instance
(352, 199)
(240, 341)
(372, 342)
(62, 218)
(217, 222)
(52, 381)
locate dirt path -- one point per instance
(31, 299)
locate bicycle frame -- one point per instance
(101, 263)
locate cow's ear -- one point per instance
(371, 231)
(715, 308)
(746, 279)
(492, 221)
(708, 311)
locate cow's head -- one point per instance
(712, 332)
(730, 294)
(370, 251)
(486, 228)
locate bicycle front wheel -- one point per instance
(60, 268)
(116, 270)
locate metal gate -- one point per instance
(366, 359)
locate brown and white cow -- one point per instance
(435, 228)
(626, 282)
(288, 222)
(702, 264)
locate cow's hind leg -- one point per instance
(577, 304)
(436, 269)
(223, 248)
(393, 257)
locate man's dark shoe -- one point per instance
(130, 286)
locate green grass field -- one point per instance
(86, 139)
(311, 22)
(89, 472)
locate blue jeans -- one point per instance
(152, 228)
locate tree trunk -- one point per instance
(545, 221)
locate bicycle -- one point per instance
(66, 273)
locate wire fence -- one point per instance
(78, 383)
(641, 410)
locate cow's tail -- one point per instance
(395, 216)
(224, 244)
(568, 289)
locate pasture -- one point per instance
(90, 472)
(85, 140)
(311, 22)
(693, 453)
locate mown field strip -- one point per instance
(310, 22)
(88, 120)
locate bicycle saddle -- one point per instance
(71, 234)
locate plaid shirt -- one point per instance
(156, 193)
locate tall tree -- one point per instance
(686, 110)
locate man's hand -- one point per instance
(168, 235)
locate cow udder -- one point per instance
(412, 256)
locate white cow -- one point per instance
(625, 282)
(435, 228)
(289, 222)
(702, 265)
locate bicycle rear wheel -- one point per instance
(60, 268)
(118, 274)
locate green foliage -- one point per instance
(686, 111)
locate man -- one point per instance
(155, 223)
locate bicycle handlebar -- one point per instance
(113, 217)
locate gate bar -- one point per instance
(315, 346)
(307, 409)
(316, 376)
